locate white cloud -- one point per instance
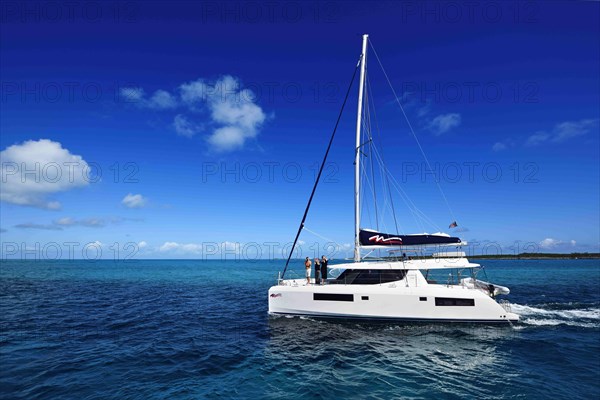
(132, 94)
(31, 225)
(211, 248)
(184, 127)
(134, 201)
(227, 138)
(234, 117)
(168, 246)
(537, 138)
(571, 129)
(185, 248)
(444, 122)
(232, 109)
(34, 170)
(89, 222)
(562, 132)
(423, 111)
(92, 222)
(142, 244)
(65, 221)
(499, 146)
(160, 100)
(550, 243)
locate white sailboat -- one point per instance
(403, 289)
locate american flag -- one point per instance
(453, 225)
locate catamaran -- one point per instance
(442, 286)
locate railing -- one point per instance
(291, 275)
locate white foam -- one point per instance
(543, 317)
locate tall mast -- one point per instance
(363, 62)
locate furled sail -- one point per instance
(369, 237)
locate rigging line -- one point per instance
(365, 204)
(387, 180)
(370, 137)
(412, 131)
(415, 210)
(321, 168)
(323, 237)
(403, 195)
(417, 214)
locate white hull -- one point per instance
(411, 299)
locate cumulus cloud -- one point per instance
(211, 248)
(552, 244)
(184, 127)
(188, 248)
(34, 170)
(228, 109)
(549, 243)
(562, 131)
(134, 201)
(499, 146)
(132, 94)
(142, 244)
(235, 115)
(160, 99)
(444, 122)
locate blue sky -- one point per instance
(201, 125)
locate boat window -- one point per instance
(448, 301)
(369, 276)
(333, 297)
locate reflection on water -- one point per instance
(412, 358)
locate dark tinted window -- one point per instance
(447, 301)
(333, 297)
(369, 276)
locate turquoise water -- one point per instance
(199, 329)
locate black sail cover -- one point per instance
(373, 238)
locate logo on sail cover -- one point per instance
(274, 295)
(380, 239)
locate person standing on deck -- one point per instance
(317, 271)
(307, 265)
(323, 270)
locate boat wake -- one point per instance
(588, 317)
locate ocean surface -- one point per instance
(200, 329)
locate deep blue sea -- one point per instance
(199, 329)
